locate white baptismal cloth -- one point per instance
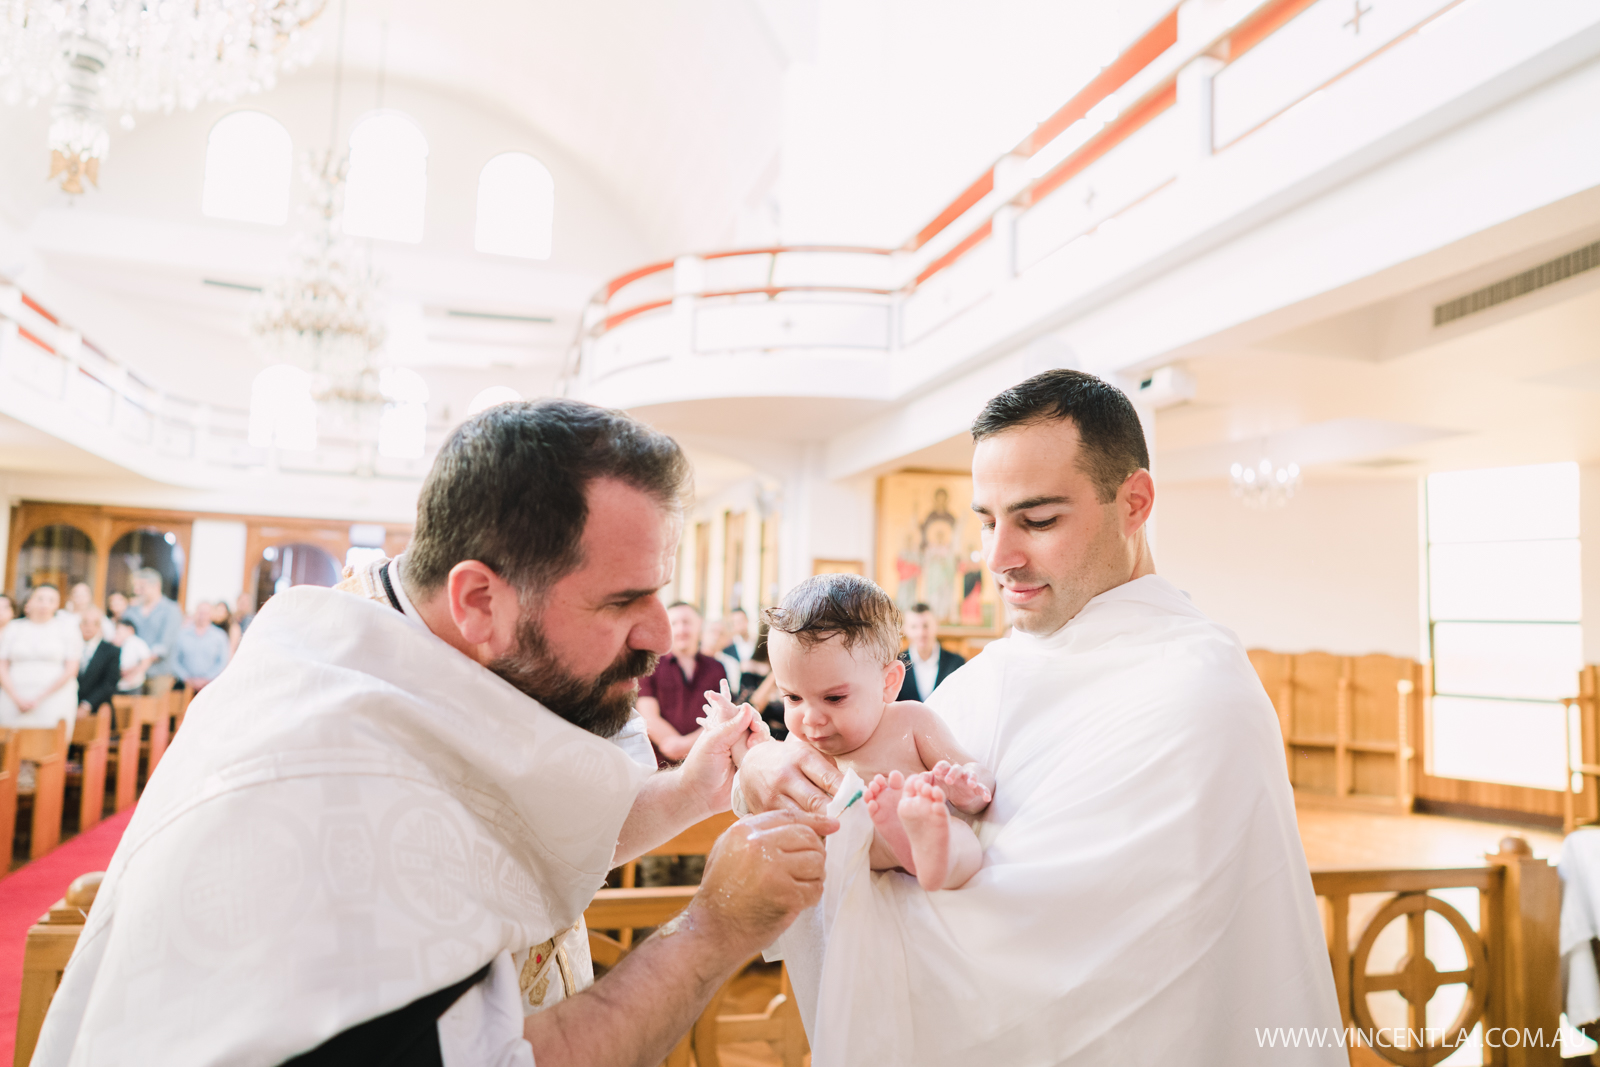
(1580, 925)
(354, 815)
(1144, 897)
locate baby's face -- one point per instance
(833, 697)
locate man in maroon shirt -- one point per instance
(671, 699)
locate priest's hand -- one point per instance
(762, 873)
(708, 769)
(788, 777)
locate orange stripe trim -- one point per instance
(23, 330)
(957, 207)
(859, 249)
(770, 290)
(634, 275)
(1161, 37)
(966, 245)
(34, 304)
(1120, 130)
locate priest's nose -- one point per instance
(653, 632)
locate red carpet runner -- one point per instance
(28, 893)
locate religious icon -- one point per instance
(929, 550)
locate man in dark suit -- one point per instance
(101, 666)
(927, 664)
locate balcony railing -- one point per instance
(52, 378)
(1130, 132)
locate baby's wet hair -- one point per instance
(840, 605)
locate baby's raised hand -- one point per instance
(963, 786)
(719, 707)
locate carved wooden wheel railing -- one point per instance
(1511, 959)
(1417, 979)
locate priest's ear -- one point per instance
(484, 607)
(893, 675)
(1135, 500)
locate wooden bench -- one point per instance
(92, 737)
(49, 947)
(46, 747)
(134, 713)
(10, 763)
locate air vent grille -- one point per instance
(1559, 269)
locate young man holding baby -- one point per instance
(1143, 896)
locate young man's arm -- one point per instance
(966, 783)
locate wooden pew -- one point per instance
(134, 713)
(1351, 726)
(92, 736)
(49, 947)
(10, 763)
(47, 748)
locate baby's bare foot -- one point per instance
(883, 804)
(963, 789)
(927, 825)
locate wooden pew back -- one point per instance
(1351, 725)
(49, 947)
(46, 747)
(92, 735)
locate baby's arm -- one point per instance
(719, 707)
(968, 785)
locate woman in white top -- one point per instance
(39, 664)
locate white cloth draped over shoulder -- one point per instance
(1144, 897)
(353, 816)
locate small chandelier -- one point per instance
(98, 56)
(325, 315)
(1265, 485)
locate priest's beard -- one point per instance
(586, 702)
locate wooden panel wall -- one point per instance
(104, 525)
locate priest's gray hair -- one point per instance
(1111, 440)
(848, 606)
(508, 489)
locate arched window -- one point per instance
(495, 394)
(285, 566)
(403, 426)
(58, 555)
(387, 189)
(282, 413)
(516, 205)
(248, 161)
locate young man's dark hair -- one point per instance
(684, 604)
(1111, 440)
(508, 489)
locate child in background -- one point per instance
(135, 658)
(834, 643)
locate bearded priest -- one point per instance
(1144, 897)
(375, 836)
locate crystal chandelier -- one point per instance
(325, 315)
(1265, 485)
(98, 56)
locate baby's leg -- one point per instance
(883, 804)
(946, 850)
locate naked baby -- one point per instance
(834, 645)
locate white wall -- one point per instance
(216, 561)
(1336, 570)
